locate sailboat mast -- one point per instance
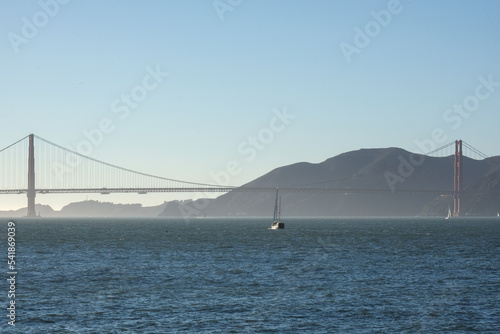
(276, 206)
(279, 209)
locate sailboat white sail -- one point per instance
(277, 223)
(449, 214)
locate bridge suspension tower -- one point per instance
(458, 178)
(31, 177)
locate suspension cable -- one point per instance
(126, 169)
(475, 150)
(440, 148)
(20, 140)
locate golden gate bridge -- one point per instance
(54, 169)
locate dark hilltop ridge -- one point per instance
(383, 169)
(370, 179)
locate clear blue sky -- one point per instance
(232, 66)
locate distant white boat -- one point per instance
(277, 223)
(449, 214)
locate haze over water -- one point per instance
(235, 275)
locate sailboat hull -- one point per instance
(277, 226)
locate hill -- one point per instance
(386, 169)
(91, 209)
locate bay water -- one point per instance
(234, 275)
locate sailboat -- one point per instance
(277, 223)
(449, 214)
